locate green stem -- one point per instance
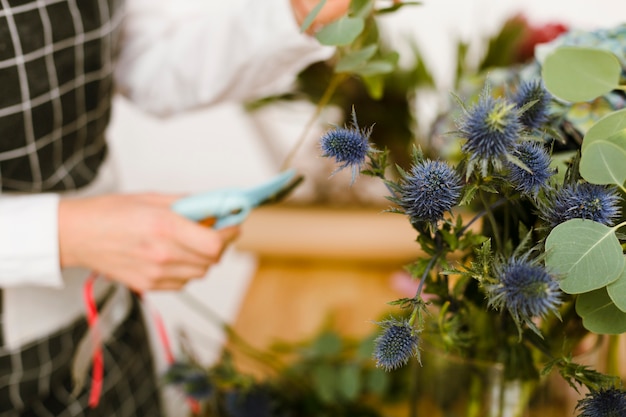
(612, 356)
(492, 221)
(263, 358)
(335, 81)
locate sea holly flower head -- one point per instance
(491, 127)
(428, 190)
(192, 379)
(610, 402)
(533, 92)
(525, 288)
(581, 201)
(534, 175)
(348, 146)
(398, 342)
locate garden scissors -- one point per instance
(230, 206)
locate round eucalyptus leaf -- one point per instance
(586, 255)
(608, 126)
(350, 381)
(341, 32)
(579, 74)
(599, 313)
(603, 162)
(325, 382)
(355, 59)
(617, 291)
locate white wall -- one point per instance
(219, 147)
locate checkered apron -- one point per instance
(56, 61)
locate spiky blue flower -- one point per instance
(491, 127)
(348, 146)
(428, 190)
(535, 157)
(192, 379)
(525, 289)
(398, 343)
(609, 402)
(581, 201)
(536, 115)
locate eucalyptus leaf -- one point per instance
(349, 381)
(327, 344)
(341, 32)
(355, 59)
(586, 255)
(607, 126)
(361, 8)
(604, 162)
(580, 74)
(308, 20)
(383, 65)
(617, 291)
(324, 382)
(375, 86)
(377, 381)
(376, 67)
(599, 313)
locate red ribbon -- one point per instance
(97, 374)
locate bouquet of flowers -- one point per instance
(520, 225)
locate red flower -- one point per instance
(536, 35)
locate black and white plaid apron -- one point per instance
(56, 64)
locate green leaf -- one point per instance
(325, 382)
(599, 313)
(603, 162)
(585, 254)
(607, 126)
(308, 20)
(580, 74)
(361, 8)
(617, 291)
(327, 344)
(384, 65)
(355, 59)
(349, 381)
(341, 32)
(377, 381)
(375, 86)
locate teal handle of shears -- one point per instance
(218, 209)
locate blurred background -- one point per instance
(238, 145)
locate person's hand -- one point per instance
(138, 240)
(332, 10)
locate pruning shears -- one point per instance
(230, 206)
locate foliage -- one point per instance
(329, 375)
(548, 245)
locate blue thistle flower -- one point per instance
(192, 379)
(430, 189)
(536, 115)
(525, 289)
(609, 402)
(349, 146)
(397, 343)
(581, 201)
(535, 157)
(491, 128)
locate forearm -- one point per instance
(29, 251)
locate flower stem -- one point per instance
(612, 356)
(334, 82)
(492, 221)
(263, 358)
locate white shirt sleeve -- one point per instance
(182, 54)
(29, 250)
